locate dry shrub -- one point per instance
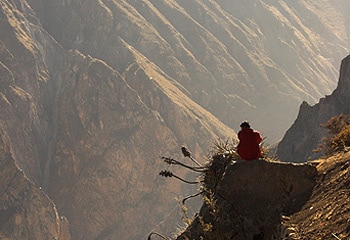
(341, 141)
(338, 139)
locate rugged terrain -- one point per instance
(248, 200)
(306, 132)
(93, 91)
(274, 200)
(255, 60)
(326, 215)
(89, 140)
(26, 210)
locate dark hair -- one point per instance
(245, 124)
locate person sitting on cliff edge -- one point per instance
(248, 147)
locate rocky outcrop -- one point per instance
(270, 200)
(305, 134)
(26, 212)
(248, 201)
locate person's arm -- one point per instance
(239, 135)
(258, 137)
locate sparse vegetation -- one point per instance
(338, 139)
(223, 147)
(229, 146)
(185, 219)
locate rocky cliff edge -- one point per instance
(274, 200)
(250, 198)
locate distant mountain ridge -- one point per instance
(92, 92)
(255, 60)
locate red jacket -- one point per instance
(248, 147)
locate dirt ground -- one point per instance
(327, 213)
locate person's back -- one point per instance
(249, 140)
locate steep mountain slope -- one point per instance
(81, 132)
(255, 60)
(26, 211)
(105, 155)
(305, 134)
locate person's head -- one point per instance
(245, 124)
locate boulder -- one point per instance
(250, 199)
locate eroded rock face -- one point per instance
(255, 60)
(104, 171)
(26, 212)
(87, 137)
(250, 198)
(306, 133)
